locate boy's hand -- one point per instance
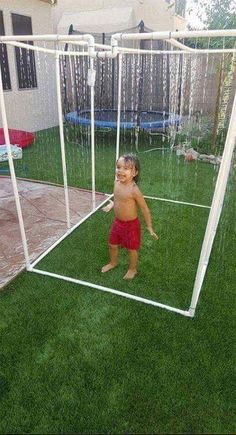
(108, 207)
(152, 234)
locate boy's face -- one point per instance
(125, 171)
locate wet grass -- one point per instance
(162, 172)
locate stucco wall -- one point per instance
(157, 15)
(36, 109)
(31, 109)
(179, 23)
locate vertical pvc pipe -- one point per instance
(13, 176)
(120, 60)
(92, 136)
(62, 141)
(216, 208)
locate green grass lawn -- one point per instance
(76, 360)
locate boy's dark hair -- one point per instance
(133, 160)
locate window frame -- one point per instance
(29, 83)
(6, 80)
(177, 3)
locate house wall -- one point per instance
(31, 109)
(179, 23)
(157, 15)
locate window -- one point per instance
(6, 81)
(25, 60)
(180, 7)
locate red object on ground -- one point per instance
(18, 137)
(189, 157)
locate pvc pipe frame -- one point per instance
(219, 193)
(108, 54)
(112, 53)
(120, 60)
(173, 35)
(216, 208)
(62, 141)
(92, 137)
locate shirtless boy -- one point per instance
(125, 230)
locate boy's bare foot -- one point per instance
(108, 267)
(130, 274)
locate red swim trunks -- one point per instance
(126, 233)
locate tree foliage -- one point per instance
(217, 14)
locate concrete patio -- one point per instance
(43, 208)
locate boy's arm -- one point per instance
(145, 211)
(108, 207)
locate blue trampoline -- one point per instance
(107, 118)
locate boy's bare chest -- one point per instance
(123, 193)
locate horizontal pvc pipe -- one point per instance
(66, 38)
(176, 52)
(103, 54)
(51, 37)
(173, 35)
(102, 46)
(167, 200)
(113, 291)
(119, 36)
(109, 53)
(46, 50)
(177, 202)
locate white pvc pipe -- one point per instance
(89, 39)
(62, 140)
(113, 291)
(216, 208)
(92, 137)
(46, 50)
(176, 52)
(179, 45)
(102, 46)
(119, 36)
(177, 202)
(111, 55)
(13, 176)
(109, 52)
(104, 54)
(172, 35)
(52, 37)
(120, 60)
